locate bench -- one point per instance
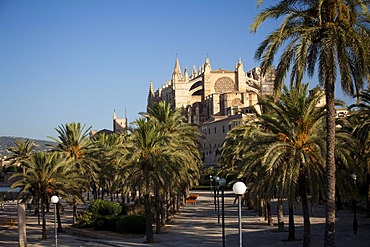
(192, 199)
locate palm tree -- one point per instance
(173, 123)
(161, 149)
(107, 151)
(43, 177)
(21, 152)
(147, 155)
(187, 136)
(329, 36)
(361, 132)
(284, 145)
(73, 142)
(349, 158)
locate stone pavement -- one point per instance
(197, 225)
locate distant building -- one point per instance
(339, 112)
(214, 98)
(119, 125)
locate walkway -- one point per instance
(197, 225)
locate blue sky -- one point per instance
(77, 61)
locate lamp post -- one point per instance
(354, 207)
(239, 189)
(54, 199)
(215, 178)
(214, 192)
(210, 183)
(218, 198)
(222, 183)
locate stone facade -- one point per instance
(206, 93)
(213, 98)
(119, 124)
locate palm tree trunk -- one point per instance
(148, 220)
(43, 233)
(368, 192)
(291, 230)
(329, 240)
(75, 214)
(158, 213)
(261, 206)
(173, 204)
(60, 227)
(178, 196)
(163, 209)
(280, 215)
(168, 202)
(306, 214)
(270, 220)
(339, 199)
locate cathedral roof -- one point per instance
(222, 71)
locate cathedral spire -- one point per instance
(207, 64)
(239, 66)
(207, 60)
(194, 72)
(186, 74)
(177, 75)
(114, 114)
(151, 90)
(151, 94)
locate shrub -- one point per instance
(86, 219)
(131, 224)
(104, 208)
(125, 209)
(106, 223)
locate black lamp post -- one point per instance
(239, 189)
(222, 183)
(214, 192)
(210, 183)
(54, 199)
(217, 179)
(354, 207)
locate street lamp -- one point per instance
(354, 207)
(217, 179)
(222, 183)
(210, 183)
(239, 189)
(54, 199)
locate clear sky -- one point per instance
(77, 61)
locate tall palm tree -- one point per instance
(21, 152)
(43, 177)
(362, 132)
(107, 151)
(173, 123)
(284, 146)
(73, 141)
(331, 36)
(161, 149)
(147, 157)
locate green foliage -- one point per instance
(134, 224)
(86, 219)
(102, 215)
(104, 208)
(106, 223)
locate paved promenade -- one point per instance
(197, 225)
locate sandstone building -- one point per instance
(216, 100)
(119, 125)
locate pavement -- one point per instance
(195, 225)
